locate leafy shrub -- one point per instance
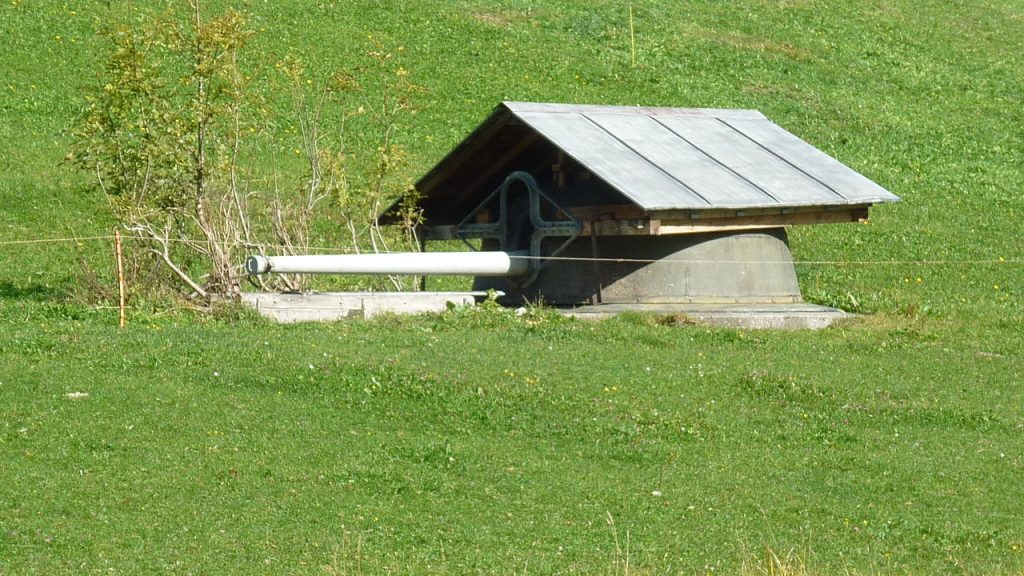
(172, 139)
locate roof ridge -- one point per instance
(560, 108)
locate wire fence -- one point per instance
(612, 260)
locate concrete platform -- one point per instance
(798, 316)
(330, 306)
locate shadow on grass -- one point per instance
(33, 292)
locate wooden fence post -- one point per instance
(120, 279)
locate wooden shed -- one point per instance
(621, 204)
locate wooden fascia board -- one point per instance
(753, 222)
(630, 221)
(666, 227)
(632, 212)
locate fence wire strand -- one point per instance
(346, 250)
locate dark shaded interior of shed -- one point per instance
(513, 147)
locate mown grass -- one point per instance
(412, 445)
(479, 442)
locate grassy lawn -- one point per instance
(476, 441)
(480, 442)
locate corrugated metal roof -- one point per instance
(659, 159)
(676, 158)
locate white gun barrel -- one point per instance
(418, 263)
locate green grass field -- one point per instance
(480, 442)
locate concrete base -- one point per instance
(724, 267)
(749, 316)
(330, 306)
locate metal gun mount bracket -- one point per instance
(501, 229)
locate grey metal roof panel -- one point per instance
(678, 158)
(612, 160)
(778, 182)
(831, 173)
(654, 140)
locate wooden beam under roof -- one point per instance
(628, 223)
(668, 227)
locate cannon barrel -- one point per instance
(492, 263)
